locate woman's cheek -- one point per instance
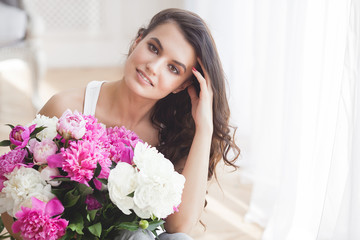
(169, 85)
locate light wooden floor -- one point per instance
(227, 203)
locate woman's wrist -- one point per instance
(204, 127)
(204, 131)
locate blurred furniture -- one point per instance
(20, 32)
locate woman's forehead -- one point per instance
(173, 42)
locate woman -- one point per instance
(173, 96)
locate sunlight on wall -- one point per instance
(16, 72)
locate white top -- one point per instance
(91, 97)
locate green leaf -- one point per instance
(103, 180)
(84, 190)
(155, 234)
(59, 192)
(70, 199)
(131, 194)
(155, 224)
(62, 179)
(5, 143)
(92, 214)
(100, 197)
(132, 226)
(106, 232)
(68, 235)
(95, 229)
(12, 126)
(108, 210)
(113, 165)
(77, 224)
(36, 131)
(1, 225)
(97, 170)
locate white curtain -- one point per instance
(294, 73)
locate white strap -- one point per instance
(91, 97)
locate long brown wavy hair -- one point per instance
(172, 114)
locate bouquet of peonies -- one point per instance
(71, 178)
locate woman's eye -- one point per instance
(153, 48)
(173, 69)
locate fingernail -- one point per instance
(194, 69)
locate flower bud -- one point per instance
(143, 224)
(42, 150)
(71, 125)
(20, 135)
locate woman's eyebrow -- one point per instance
(161, 48)
(158, 42)
(182, 65)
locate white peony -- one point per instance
(158, 195)
(159, 185)
(50, 123)
(122, 181)
(47, 173)
(22, 184)
(155, 185)
(143, 153)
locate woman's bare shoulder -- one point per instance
(58, 103)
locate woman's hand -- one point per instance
(195, 168)
(202, 106)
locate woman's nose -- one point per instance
(154, 66)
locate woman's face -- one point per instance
(160, 63)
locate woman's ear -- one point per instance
(183, 86)
(136, 42)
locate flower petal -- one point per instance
(97, 184)
(32, 128)
(37, 204)
(54, 207)
(55, 160)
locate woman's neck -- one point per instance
(122, 107)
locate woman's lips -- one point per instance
(144, 77)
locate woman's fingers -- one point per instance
(202, 104)
(201, 80)
(205, 77)
(192, 93)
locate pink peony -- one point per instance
(121, 144)
(55, 228)
(80, 161)
(95, 131)
(10, 160)
(39, 222)
(42, 150)
(92, 203)
(71, 125)
(20, 135)
(2, 180)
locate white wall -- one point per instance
(93, 32)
